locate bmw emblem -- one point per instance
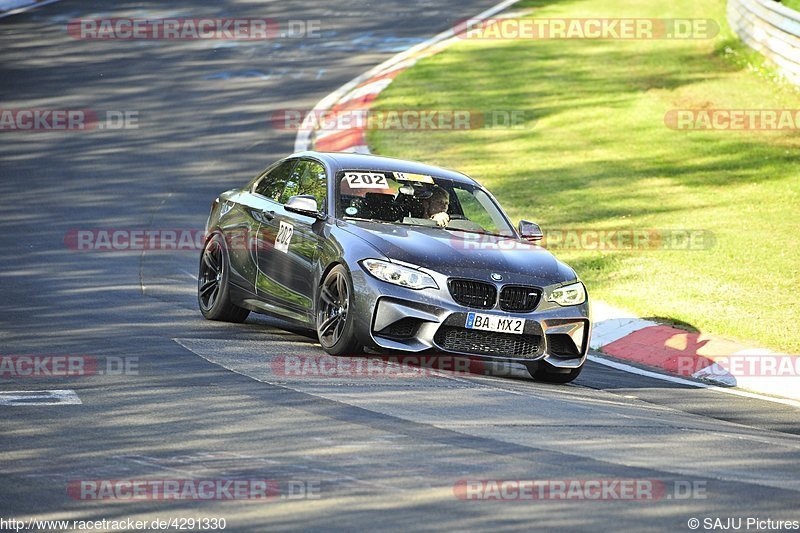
(496, 276)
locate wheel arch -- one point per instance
(318, 283)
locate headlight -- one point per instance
(568, 295)
(399, 275)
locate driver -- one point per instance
(435, 206)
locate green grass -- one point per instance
(596, 154)
(794, 4)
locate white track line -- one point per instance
(22, 7)
(680, 381)
(39, 397)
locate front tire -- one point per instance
(335, 328)
(550, 374)
(213, 292)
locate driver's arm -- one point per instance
(442, 219)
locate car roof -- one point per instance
(354, 161)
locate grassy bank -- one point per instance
(794, 4)
(595, 154)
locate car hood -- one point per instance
(456, 253)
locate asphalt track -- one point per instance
(207, 401)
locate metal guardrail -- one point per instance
(770, 28)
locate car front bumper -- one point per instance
(394, 318)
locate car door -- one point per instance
(291, 246)
(263, 210)
(241, 215)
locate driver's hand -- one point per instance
(442, 219)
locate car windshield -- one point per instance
(419, 200)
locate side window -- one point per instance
(274, 182)
(292, 182)
(308, 177)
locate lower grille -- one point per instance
(561, 345)
(478, 342)
(402, 329)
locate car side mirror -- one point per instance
(530, 230)
(304, 204)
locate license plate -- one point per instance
(501, 324)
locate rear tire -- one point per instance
(548, 373)
(213, 292)
(335, 323)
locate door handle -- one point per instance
(264, 216)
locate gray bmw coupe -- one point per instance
(391, 255)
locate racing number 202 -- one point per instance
(364, 180)
(284, 237)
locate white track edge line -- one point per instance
(25, 8)
(680, 381)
